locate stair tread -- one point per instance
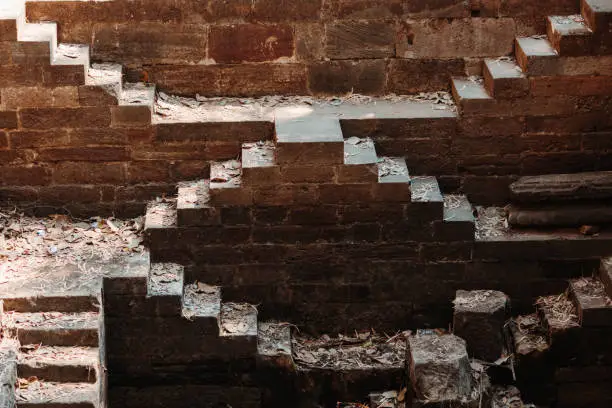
(504, 68)
(44, 393)
(238, 319)
(569, 25)
(60, 356)
(138, 94)
(11, 9)
(193, 195)
(225, 174)
(37, 32)
(71, 54)
(536, 47)
(161, 215)
(528, 335)
(558, 312)
(308, 130)
(107, 76)
(457, 208)
(590, 294)
(393, 170)
(425, 189)
(599, 6)
(53, 320)
(473, 88)
(274, 339)
(201, 300)
(359, 151)
(165, 279)
(256, 155)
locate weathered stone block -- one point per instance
(479, 319)
(250, 43)
(334, 77)
(359, 39)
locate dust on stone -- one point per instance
(390, 167)
(560, 309)
(201, 299)
(364, 350)
(491, 222)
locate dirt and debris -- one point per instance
(530, 335)
(491, 222)
(390, 167)
(559, 309)
(363, 350)
(173, 108)
(274, 338)
(59, 253)
(592, 288)
(201, 300)
(238, 319)
(228, 172)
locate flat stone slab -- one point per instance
(439, 368)
(61, 364)
(592, 302)
(563, 215)
(563, 187)
(49, 394)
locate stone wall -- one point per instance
(245, 47)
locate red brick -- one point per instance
(44, 118)
(8, 30)
(286, 194)
(190, 170)
(151, 43)
(39, 138)
(90, 95)
(250, 43)
(110, 136)
(488, 190)
(307, 174)
(130, 116)
(561, 162)
(39, 97)
(232, 80)
(88, 173)
(570, 85)
(359, 39)
(490, 165)
(336, 77)
(5, 53)
(286, 10)
(24, 75)
(63, 194)
(551, 142)
(314, 215)
(4, 140)
(29, 175)
(579, 122)
(85, 154)
(362, 9)
(214, 131)
(422, 75)
(456, 38)
(346, 193)
(8, 120)
(62, 75)
(436, 9)
(148, 171)
(486, 8)
(309, 41)
(495, 126)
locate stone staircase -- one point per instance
(60, 356)
(543, 66)
(565, 344)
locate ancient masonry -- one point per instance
(306, 249)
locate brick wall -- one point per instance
(309, 46)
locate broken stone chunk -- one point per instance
(439, 368)
(479, 319)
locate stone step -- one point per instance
(259, 166)
(165, 288)
(593, 304)
(569, 35)
(471, 95)
(160, 215)
(54, 328)
(598, 15)
(393, 180)
(605, 274)
(52, 302)
(274, 345)
(504, 78)
(535, 55)
(226, 184)
(202, 304)
(527, 336)
(59, 364)
(425, 192)
(458, 219)
(193, 205)
(360, 162)
(135, 105)
(37, 43)
(558, 317)
(310, 141)
(563, 187)
(58, 395)
(69, 66)
(103, 85)
(238, 320)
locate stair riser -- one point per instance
(86, 337)
(600, 23)
(569, 45)
(25, 404)
(67, 373)
(64, 304)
